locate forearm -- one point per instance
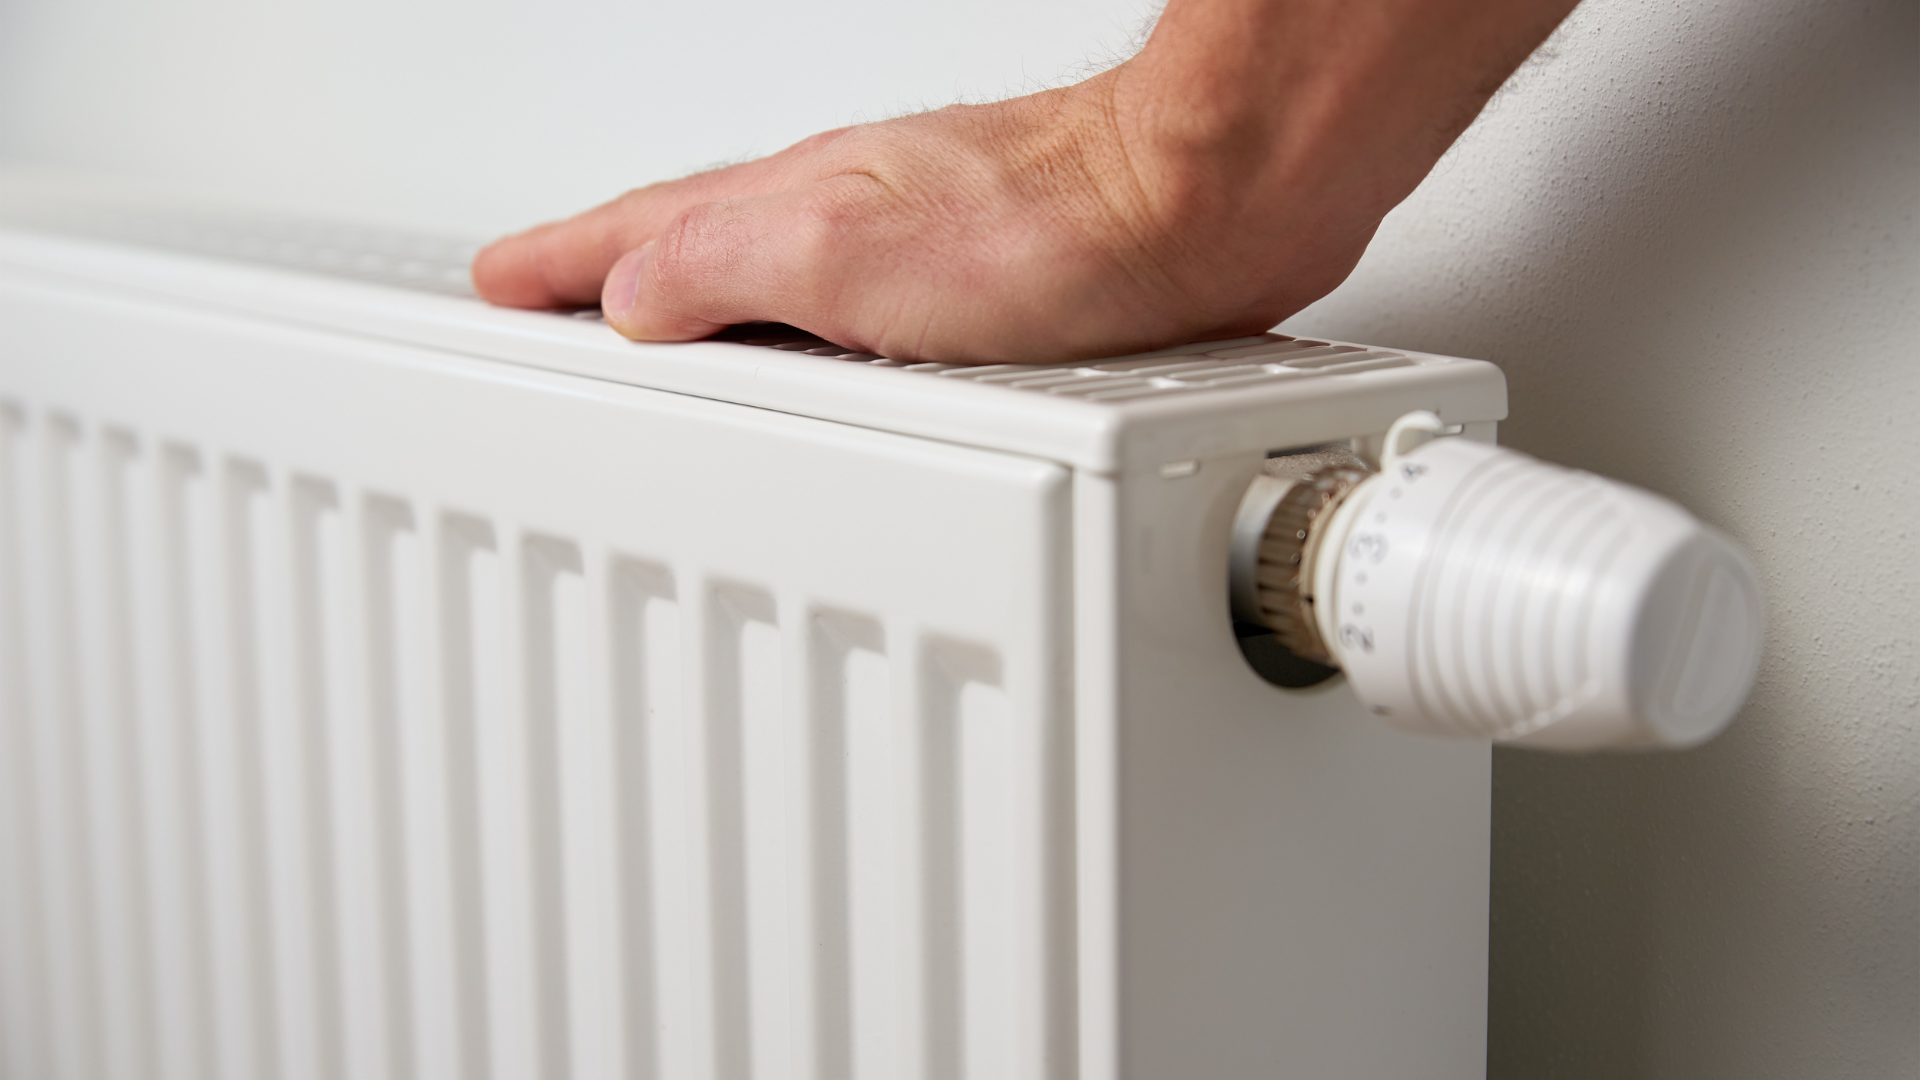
(1295, 95)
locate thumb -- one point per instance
(645, 321)
(754, 259)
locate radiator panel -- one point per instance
(427, 718)
(388, 688)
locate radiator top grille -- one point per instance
(382, 256)
(1263, 359)
(439, 264)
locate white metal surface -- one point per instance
(398, 687)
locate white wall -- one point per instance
(1687, 231)
(487, 114)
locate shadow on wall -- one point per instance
(1687, 233)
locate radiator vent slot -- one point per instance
(1260, 360)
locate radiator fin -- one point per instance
(319, 779)
(71, 899)
(178, 846)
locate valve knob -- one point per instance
(1471, 590)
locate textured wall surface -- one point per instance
(1687, 231)
(1688, 235)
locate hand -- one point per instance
(1227, 176)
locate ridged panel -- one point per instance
(24, 1049)
(79, 1027)
(173, 701)
(375, 543)
(112, 750)
(316, 780)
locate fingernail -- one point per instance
(622, 290)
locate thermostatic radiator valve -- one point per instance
(1470, 590)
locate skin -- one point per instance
(1229, 174)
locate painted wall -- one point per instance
(489, 114)
(1688, 233)
(1686, 230)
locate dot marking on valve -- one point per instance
(1354, 637)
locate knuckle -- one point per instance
(821, 140)
(830, 214)
(700, 249)
(678, 248)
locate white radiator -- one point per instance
(396, 687)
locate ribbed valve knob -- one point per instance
(1471, 590)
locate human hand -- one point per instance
(1227, 176)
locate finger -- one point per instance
(772, 258)
(563, 264)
